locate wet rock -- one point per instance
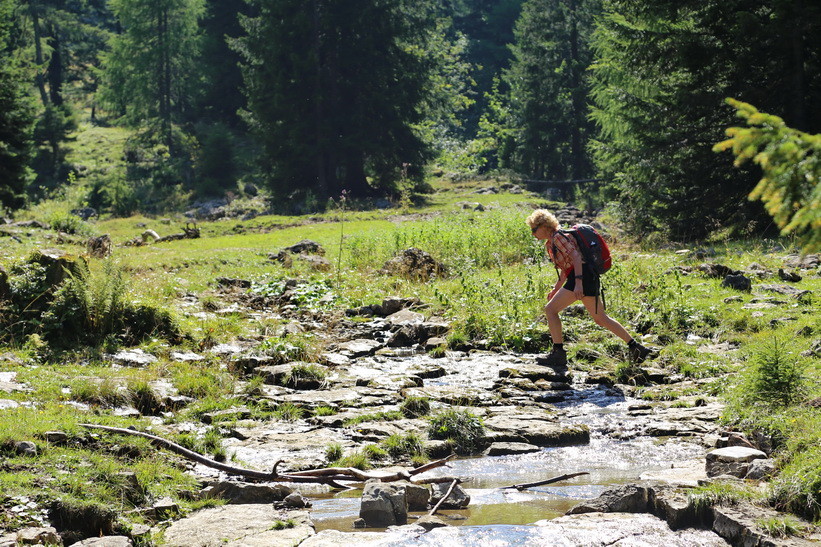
(435, 342)
(761, 469)
(535, 371)
(133, 358)
(407, 335)
(506, 449)
(334, 360)
(738, 525)
(246, 493)
(105, 541)
(619, 529)
(429, 522)
(358, 348)
(737, 282)
(688, 475)
(458, 499)
(438, 448)
(383, 504)
(295, 500)
(417, 495)
(234, 413)
(731, 460)
(415, 264)
(536, 430)
(238, 526)
(629, 498)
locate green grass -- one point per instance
(462, 427)
(386, 416)
(494, 291)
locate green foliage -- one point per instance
(462, 427)
(287, 349)
(288, 412)
(65, 222)
(407, 446)
(703, 498)
(324, 411)
(661, 74)
(782, 527)
(415, 407)
(371, 55)
(387, 416)
(16, 117)
(774, 375)
(333, 452)
(548, 88)
(791, 163)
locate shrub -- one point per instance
(776, 375)
(333, 452)
(288, 412)
(324, 411)
(462, 427)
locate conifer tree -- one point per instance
(549, 89)
(662, 72)
(16, 117)
(334, 88)
(150, 73)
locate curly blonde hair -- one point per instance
(541, 217)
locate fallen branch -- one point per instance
(548, 481)
(446, 496)
(331, 475)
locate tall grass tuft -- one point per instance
(462, 427)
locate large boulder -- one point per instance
(415, 264)
(629, 498)
(254, 525)
(732, 460)
(458, 498)
(384, 504)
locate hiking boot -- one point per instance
(637, 353)
(556, 358)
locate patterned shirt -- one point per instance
(566, 251)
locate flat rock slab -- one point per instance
(507, 449)
(133, 358)
(739, 525)
(8, 404)
(352, 397)
(687, 475)
(358, 348)
(8, 383)
(621, 529)
(535, 372)
(535, 429)
(239, 526)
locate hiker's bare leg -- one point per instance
(560, 301)
(601, 318)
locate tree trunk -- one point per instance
(322, 182)
(798, 88)
(55, 68)
(355, 181)
(38, 52)
(577, 152)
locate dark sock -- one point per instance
(632, 342)
(559, 347)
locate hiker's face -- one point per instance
(540, 232)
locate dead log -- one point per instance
(331, 475)
(548, 481)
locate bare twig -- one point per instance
(446, 496)
(548, 481)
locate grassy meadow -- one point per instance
(493, 293)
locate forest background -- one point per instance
(188, 99)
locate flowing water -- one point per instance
(495, 512)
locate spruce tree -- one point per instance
(662, 72)
(549, 89)
(16, 117)
(150, 73)
(334, 88)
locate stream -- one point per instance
(498, 514)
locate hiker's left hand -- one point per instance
(578, 290)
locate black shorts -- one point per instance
(589, 279)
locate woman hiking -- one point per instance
(577, 281)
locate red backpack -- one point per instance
(592, 245)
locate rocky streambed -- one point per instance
(540, 422)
